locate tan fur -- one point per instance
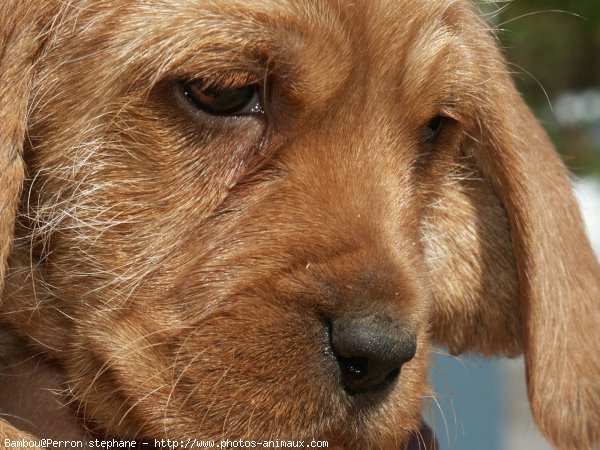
(178, 267)
(7, 431)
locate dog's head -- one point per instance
(243, 219)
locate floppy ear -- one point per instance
(20, 41)
(512, 266)
(558, 274)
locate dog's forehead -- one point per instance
(317, 44)
(324, 41)
(344, 26)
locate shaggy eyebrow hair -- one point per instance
(206, 38)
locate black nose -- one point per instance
(370, 351)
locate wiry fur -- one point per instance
(178, 266)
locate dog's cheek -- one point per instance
(251, 371)
(271, 368)
(88, 233)
(117, 360)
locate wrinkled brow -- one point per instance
(191, 39)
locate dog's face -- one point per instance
(246, 219)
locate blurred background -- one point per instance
(554, 50)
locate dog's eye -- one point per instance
(433, 128)
(224, 101)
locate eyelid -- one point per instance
(450, 112)
(228, 80)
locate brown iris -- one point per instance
(221, 101)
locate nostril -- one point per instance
(370, 351)
(354, 367)
(391, 377)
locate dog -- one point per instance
(227, 219)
